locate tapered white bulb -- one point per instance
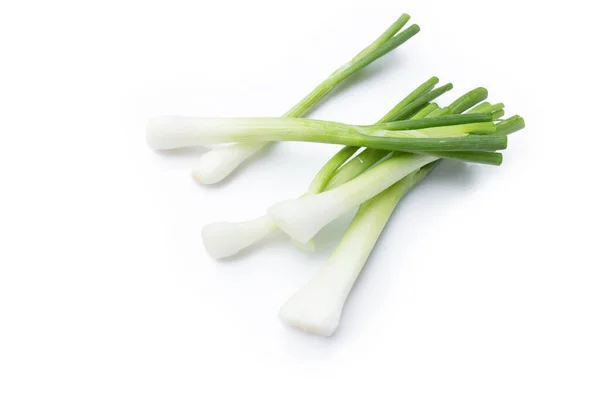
(218, 163)
(317, 307)
(224, 239)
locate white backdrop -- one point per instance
(483, 286)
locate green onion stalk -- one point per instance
(170, 132)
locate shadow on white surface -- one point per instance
(185, 157)
(307, 346)
(386, 65)
(266, 244)
(452, 173)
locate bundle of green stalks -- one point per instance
(378, 165)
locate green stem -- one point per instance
(439, 112)
(426, 111)
(486, 108)
(479, 157)
(415, 94)
(353, 168)
(385, 48)
(481, 107)
(496, 115)
(326, 172)
(384, 37)
(403, 144)
(384, 203)
(446, 120)
(468, 100)
(365, 160)
(423, 100)
(380, 47)
(495, 107)
(510, 125)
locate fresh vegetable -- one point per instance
(171, 132)
(399, 151)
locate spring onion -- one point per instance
(171, 132)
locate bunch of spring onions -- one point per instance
(379, 164)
